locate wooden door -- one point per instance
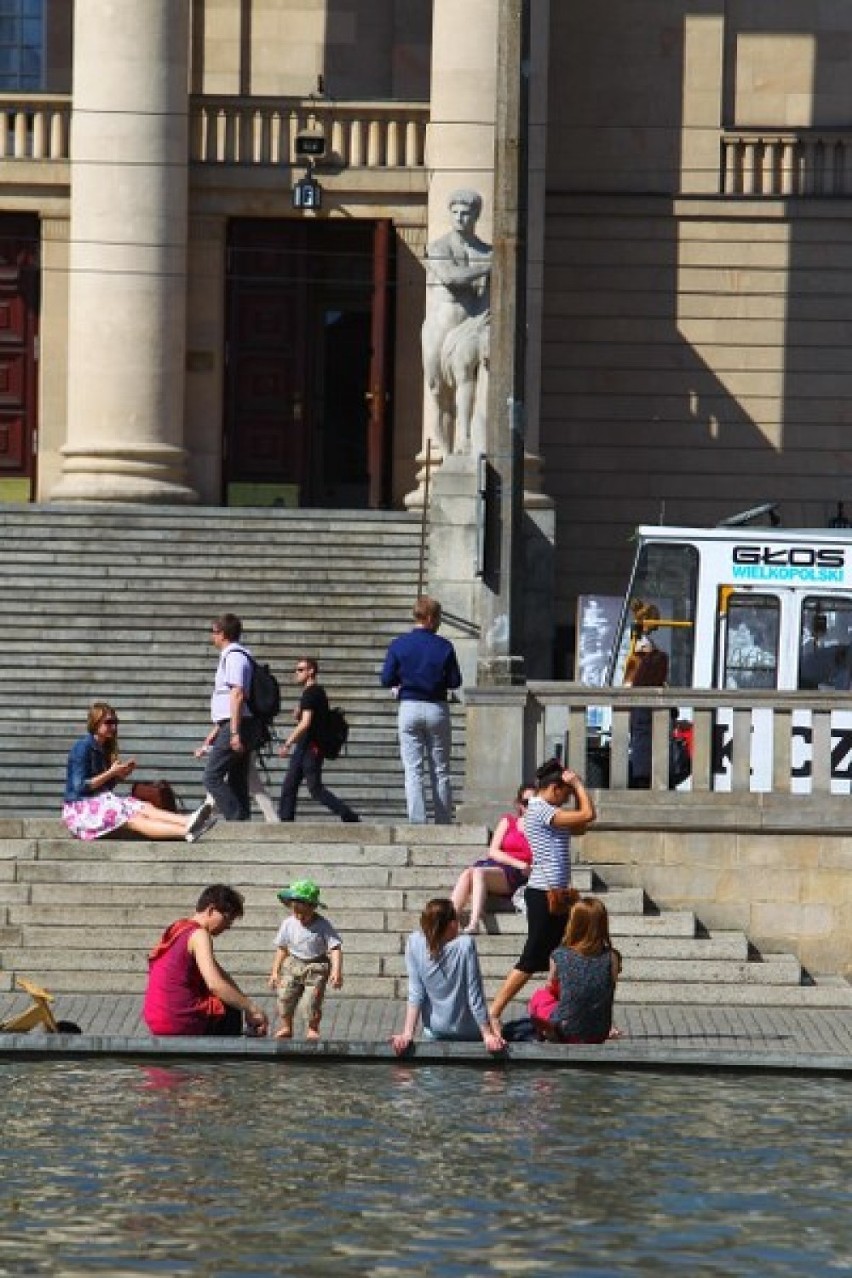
(307, 362)
(19, 305)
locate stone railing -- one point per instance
(794, 744)
(787, 162)
(35, 126)
(262, 131)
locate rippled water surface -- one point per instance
(282, 1168)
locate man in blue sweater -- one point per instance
(421, 668)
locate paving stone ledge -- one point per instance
(619, 1055)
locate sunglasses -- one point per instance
(110, 723)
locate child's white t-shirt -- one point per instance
(306, 943)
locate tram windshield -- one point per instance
(661, 607)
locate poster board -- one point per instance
(597, 623)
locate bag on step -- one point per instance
(335, 734)
(160, 794)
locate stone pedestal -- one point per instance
(127, 298)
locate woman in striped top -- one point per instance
(548, 827)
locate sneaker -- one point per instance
(202, 830)
(349, 817)
(198, 818)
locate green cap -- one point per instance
(302, 890)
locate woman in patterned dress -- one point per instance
(93, 809)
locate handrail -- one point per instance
(424, 520)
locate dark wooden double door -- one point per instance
(308, 324)
(19, 311)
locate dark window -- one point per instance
(22, 45)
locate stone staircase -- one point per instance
(79, 918)
(115, 603)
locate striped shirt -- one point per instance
(551, 846)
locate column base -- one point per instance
(153, 475)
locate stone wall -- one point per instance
(694, 356)
(781, 871)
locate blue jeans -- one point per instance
(226, 777)
(424, 740)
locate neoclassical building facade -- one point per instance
(175, 329)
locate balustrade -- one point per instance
(798, 744)
(35, 127)
(782, 163)
(262, 131)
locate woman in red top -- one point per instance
(188, 992)
(503, 871)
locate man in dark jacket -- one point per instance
(421, 668)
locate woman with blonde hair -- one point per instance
(576, 1005)
(93, 809)
(445, 983)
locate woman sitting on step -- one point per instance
(445, 983)
(92, 808)
(576, 1004)
(503, 871)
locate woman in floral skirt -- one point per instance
(93, 809)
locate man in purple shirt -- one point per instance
(421, 668)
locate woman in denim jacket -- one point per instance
(93, 809)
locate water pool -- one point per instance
(345, 1169)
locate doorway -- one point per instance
(307, 412)
(19, 314)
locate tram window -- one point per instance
(825, 643)
(665, 577)
(751, 642)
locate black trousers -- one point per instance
(306, 765)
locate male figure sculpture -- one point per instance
(455, 330)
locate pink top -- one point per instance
(514, 841)
(176, 999)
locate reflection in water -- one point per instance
(312, 1169)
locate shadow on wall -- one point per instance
(694, 361)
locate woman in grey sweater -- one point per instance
(445, 983)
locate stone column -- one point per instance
(127, 300)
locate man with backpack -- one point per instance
(307, 747)
(235, 731)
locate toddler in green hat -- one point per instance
(308, 956)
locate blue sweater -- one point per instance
(447, 989)
(422, 665)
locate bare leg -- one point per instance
(485, 879)
(461, 892)
(514, 982)
(285, 1029)
(157, 827)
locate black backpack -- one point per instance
(335, 733)
(264, 696)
